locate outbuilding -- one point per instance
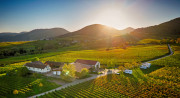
(89, 64)
(38, 66)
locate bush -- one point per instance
(35, 59)
(68, 73)
(15, 92)
(121, 68)
(84, 72)
(22, 71)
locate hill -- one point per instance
(97, 31)
(170, 29)
(36, 34)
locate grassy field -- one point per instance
(23, 58)
(116, 56)
(10, 44)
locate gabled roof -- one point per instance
(53, 64)
(36, 64)
(87, 62)
(79, 66)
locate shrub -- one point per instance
(22, 71)
(121, 68)
(40, 84)
(35, 59)
(15, 92)
(68, 73)
(84, 72)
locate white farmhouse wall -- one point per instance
(46, 69)
(97, 65)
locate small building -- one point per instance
(54, 64)
(128, 71)
(145, 65)
(38, 66)
(89, 64)
(57, 72)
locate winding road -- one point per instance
(93, 77)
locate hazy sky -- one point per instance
(26, 15)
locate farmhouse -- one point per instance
(89, 64)
(54, 64)
(145, 65)
(128, 71)
(38, 66)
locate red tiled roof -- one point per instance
(79, 66)
(88, 62)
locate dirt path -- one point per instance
(93, 77)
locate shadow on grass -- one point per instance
(151, 69)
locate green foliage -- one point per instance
(128, 65)
(84, 72)
(23, 71)
(68, 73)
(165, 84)
(35, 59)
(173, 60)
(113, 57)
(121, 68)
(149, 41)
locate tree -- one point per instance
(127, 65)
(22, 71)
(15, 92)
(110, 65)
(84, 72)
(121, 68)
(178, 41)
(68, 73)
(134, 64)
(35, 59)
(40, 84)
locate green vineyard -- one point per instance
(115, 86)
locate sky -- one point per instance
(26, 15)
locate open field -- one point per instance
(115, 56)
(9, 44)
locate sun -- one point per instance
(111, 17)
